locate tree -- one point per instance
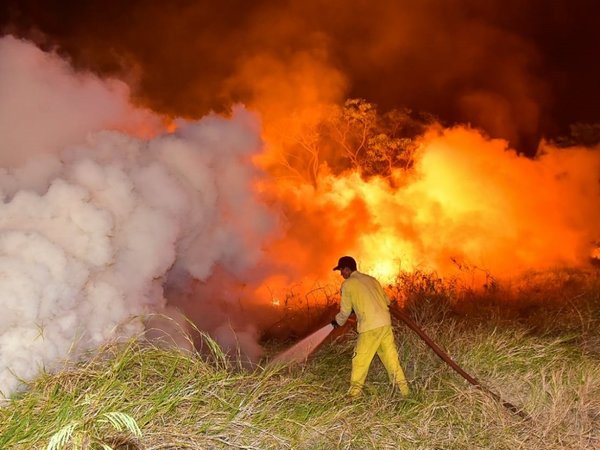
(355, 136)
(376, 144)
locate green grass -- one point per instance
(189, 401)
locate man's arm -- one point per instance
(345, 305)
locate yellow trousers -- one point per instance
(381, 341)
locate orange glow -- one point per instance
(471, 204)
(171, 126)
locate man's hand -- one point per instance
(334, 324)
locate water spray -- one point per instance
(300, 351)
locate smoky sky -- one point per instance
(521, 70)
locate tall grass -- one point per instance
(183, 400)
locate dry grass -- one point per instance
(188, 401)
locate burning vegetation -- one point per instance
(144, 195)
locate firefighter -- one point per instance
(364, 295)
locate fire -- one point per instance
(385, 270)
(451, 201)
(469, 203)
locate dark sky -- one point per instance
(519, 69)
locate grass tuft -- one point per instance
(542, 358)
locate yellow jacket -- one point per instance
(364, 295)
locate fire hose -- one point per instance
(446, 358)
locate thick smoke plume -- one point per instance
(519, 70)
(93, 219)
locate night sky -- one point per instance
(521, 70)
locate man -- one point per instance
(364, 295)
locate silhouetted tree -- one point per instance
(586, 134)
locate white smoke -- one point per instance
(46, 104)
(93, 221)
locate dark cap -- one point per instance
(346, 261)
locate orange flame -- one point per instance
(470, 203)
